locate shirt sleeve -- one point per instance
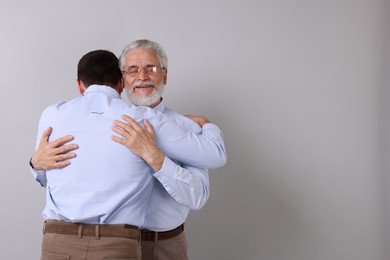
(188, 185)
(40, 176)
(204, 150)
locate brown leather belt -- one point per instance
(80, 230)
(147, 235)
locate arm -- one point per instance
(51, 155)
(141, 142)
(206, 150)
(188, 185)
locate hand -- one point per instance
(139, 141)
(201, 120)
(53, 155)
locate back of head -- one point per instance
(99, 67)
(145, 44)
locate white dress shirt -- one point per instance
(178, 188)
(106, 183)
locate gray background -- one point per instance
(299, 88)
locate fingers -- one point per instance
(54, 154)
(148, 127)
(129, 127)
(45, 135)
(51, 160)
(122, 125)
(66, 148)
(58, 142)
(118, 140)
(60, 161)
(63, 157)
(121, 128)
(130, 130)
(131, 122)
(58, 165)
(61, 141)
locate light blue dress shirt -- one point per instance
(178, 188)
(106, 183)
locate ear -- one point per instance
(120, 86)
(81, 86)
(165, 76)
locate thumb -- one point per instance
(46, 134)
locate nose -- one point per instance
(142, 75)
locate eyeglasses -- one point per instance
(135, 70)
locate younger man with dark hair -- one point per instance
(95, 206)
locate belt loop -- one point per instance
(44, 227)
(155, 236)
(97, 232)
(80, 231)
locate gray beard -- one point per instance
(145, 100)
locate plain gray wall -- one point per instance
(297, 86)
(386, 128)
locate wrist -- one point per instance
(31, 164)
(35, 165)
(155, 160)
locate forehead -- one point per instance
(141, 57)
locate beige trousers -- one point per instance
(169, 249)
(61, 247)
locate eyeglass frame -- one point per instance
(152, 70)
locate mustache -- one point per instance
(144, 83)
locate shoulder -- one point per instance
(182, 120)
(54, 107)
(51, 114)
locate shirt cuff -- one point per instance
(39, 175)
(167, 170)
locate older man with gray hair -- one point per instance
(178, 188)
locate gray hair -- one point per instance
(145, 44)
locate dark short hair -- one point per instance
(99, 67)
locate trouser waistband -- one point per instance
(97, 230)
(147, 235)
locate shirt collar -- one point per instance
(160, 107)
(102, 89)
